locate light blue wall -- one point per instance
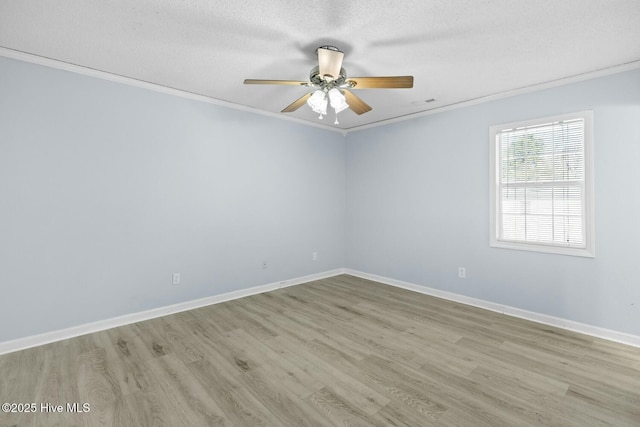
(107, 189)
(418, 206)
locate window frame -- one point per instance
(588, 206)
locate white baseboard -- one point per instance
(127, 319)
(583, 328)
(101, 325)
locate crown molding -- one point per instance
(104, 75)
(621, 68)
(67, 66)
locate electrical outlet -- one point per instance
(314, 256)
(176, 279)
(264, 265)
(462, 272)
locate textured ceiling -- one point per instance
(457, 50)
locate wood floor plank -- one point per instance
(188, 398)
(622, 354)
(527, 398)
(224, 353)
(571, 371)
(155, 344)
(294, 379)
(509, 375)
(338, 376)
(303, 328)
(429, 353)
(594, 405)
(148, 408)
(336, 411)
(404, 394)
(98, 386)
(177, 335)
(124, 360)
(240, 406)
(337, 351)
(277, 400)
(395, 414)
(347, 383)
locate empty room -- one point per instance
(341, 213)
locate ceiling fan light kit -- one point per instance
(330, 81)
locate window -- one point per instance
(542, 185)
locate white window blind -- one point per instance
(540, 188)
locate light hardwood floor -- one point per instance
(339, 351)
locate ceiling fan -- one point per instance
(334, 87)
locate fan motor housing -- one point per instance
(319, 81)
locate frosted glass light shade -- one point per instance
(337, 100)
(329, 62)
(318, 102)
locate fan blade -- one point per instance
(329, 62)
(275, 82)
(356, 104)
(395, 82)
(297, 103)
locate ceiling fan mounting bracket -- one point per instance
(329, 47)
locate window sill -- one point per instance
(532, 247)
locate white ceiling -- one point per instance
(457, 50)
